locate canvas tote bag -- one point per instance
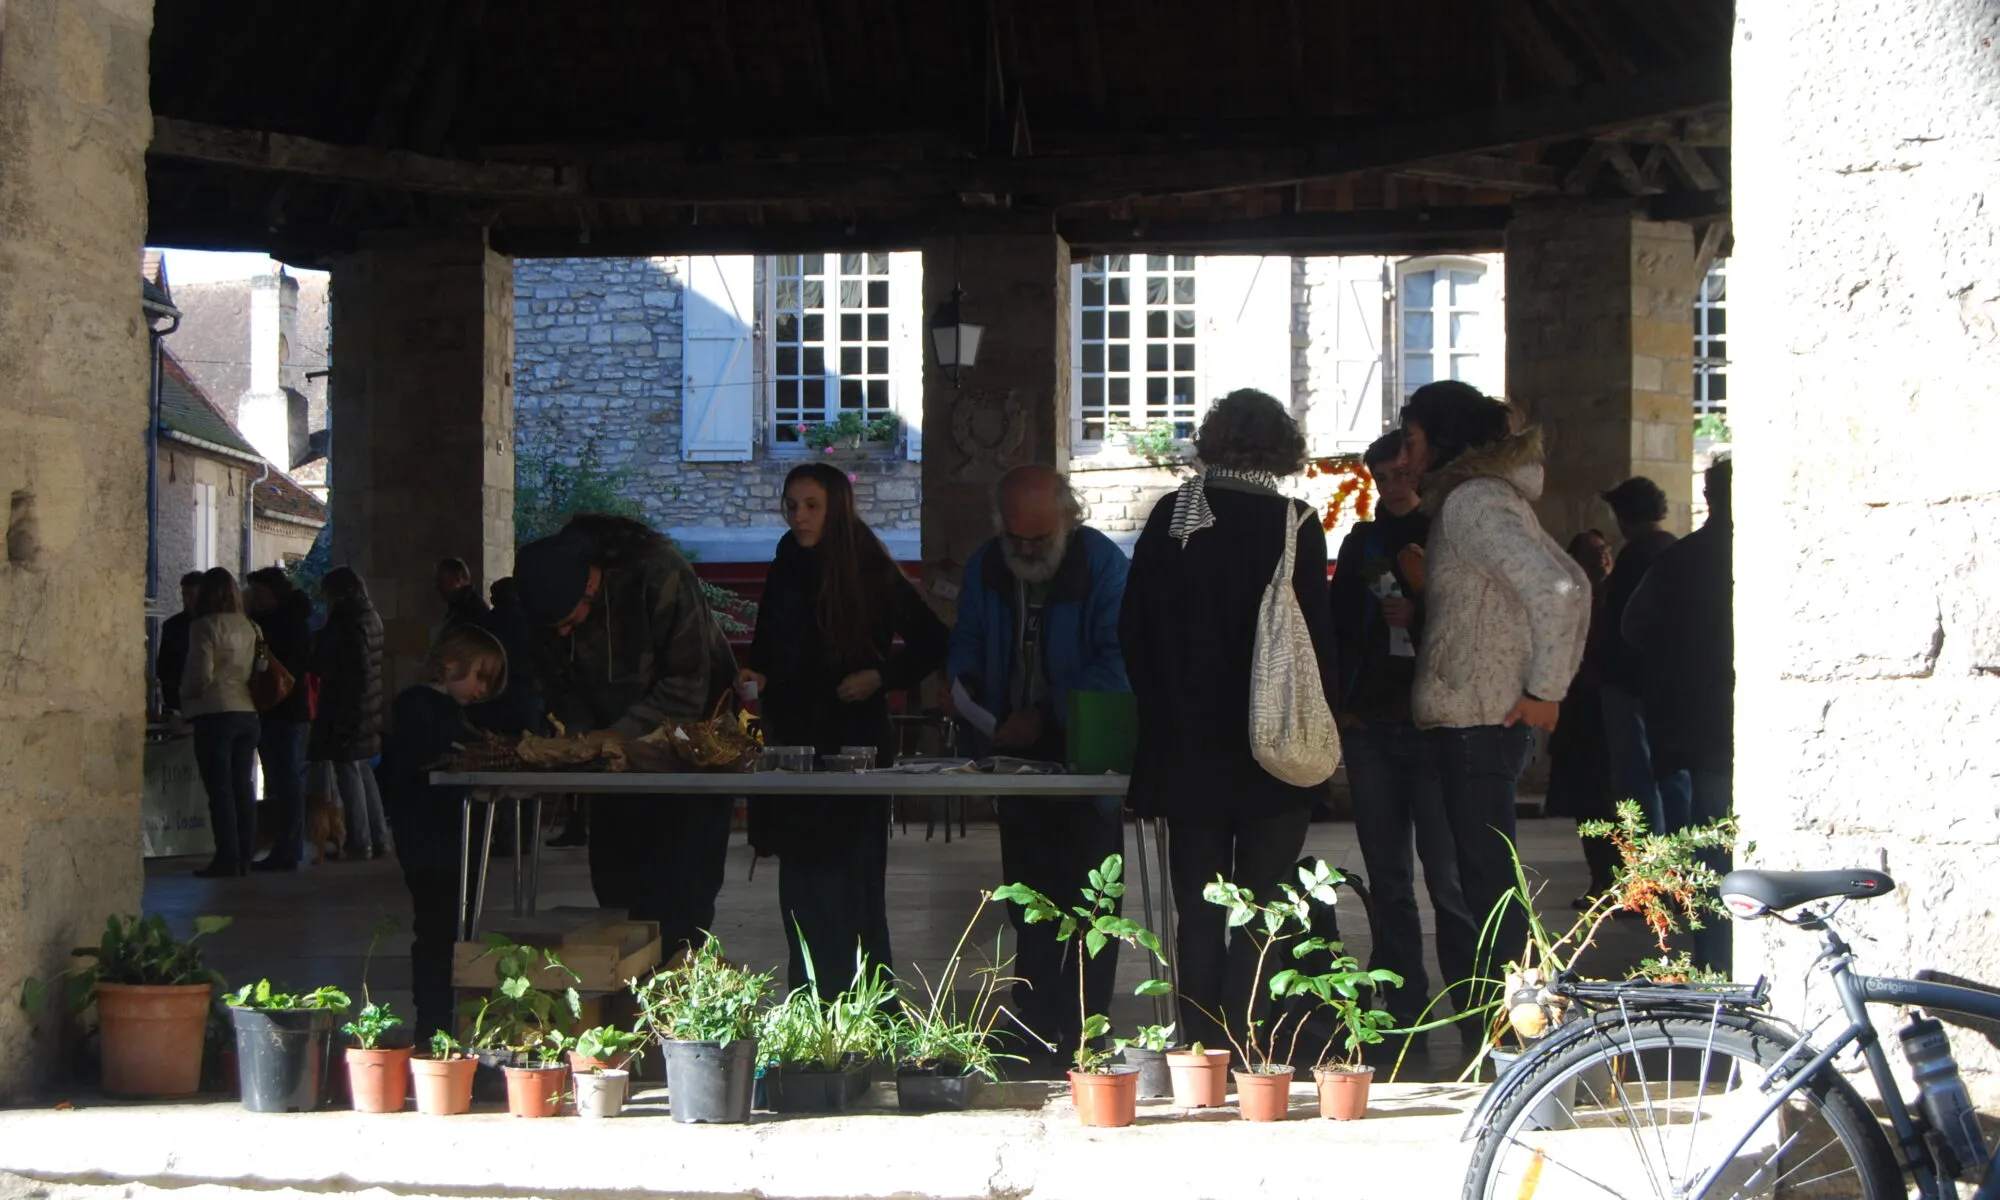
(1292, 733)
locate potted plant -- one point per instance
(1264, 1082)
(152, 994)
(1146, 1051)
(444, 1080)
(378, 1076)
(1199, 1076)
(943, 1052)
(284, 1045)
(705, 1014)
(1345, 988)
(849, 433)
(817, 1053)
(598, 1064)
(519, 1021)
(1105, 1095)
(536, 1076)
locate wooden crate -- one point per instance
(603, 949)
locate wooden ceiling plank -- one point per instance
(370, 166)
(1090, 49)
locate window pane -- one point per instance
(788, 360)
(878, 327)
(878, 263)
(1184, 389)
(851, 395)
(1464, 329)
(1093, 291)
(850, 293)
(1718, 386)
(1184, 289)
(813, 362)
(1120, 291)
(1466, 287)
(1718, 321)
(1156, 323)
(788, 430)
(1121, 391)
(1465, 367)
(1121, 324)
(878, 293)
(788, 264)
(1117, 262)
(1093, 357)
(1183, 262)
(1416, 370)
(815, 264)
(1093, 431)
(788, 293)
(1417, 288)
(1184, 357)
(1156, 391)
(1093, 391)
(786, 327)
(878, 395)
(1183, 322)
(1156, 357)
(850, 326)
(1156, 289)
(1416, 331)
(850, 264)
(815, 326)
(1718, 348)
(812, 397)
(1156, 262)
(1093, 324)
(850, 360)
(878, 360)
(1121, 357)
(812, 294)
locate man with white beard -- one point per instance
(1037, 620)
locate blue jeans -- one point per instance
(1392, 775)
(281, 747)
(1713, 787)
(361, 805)
(1478, 767)
(1662, 795)
(225, 751)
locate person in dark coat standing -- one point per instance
(1682, 617)
(1579, 760)
(347, 731)
(172, 657)
(823, 662)
(1189, 630)
(463, 605)
(1641, 508)
(282, 613)
(624, 640)
(1392, 768)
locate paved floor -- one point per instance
(312, 927)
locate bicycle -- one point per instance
(1691, 1091)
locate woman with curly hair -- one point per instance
(1189, 631)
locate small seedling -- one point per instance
(370, 1024)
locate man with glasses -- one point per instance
(1037, 620)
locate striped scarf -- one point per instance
(1191, 511)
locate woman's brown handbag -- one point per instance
(270, 682)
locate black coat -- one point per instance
(1189, 630)
(286, 633)
(799, 704)
(1687, 630)
(1624, 666)
(171, 662)
(426, 818)
(348, 660)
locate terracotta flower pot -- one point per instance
(535, 1091)
(1106, 1100)
(1343, 1092)
(378, 1081)
(152, 1038)
(444, 1085)
(1262, 1096)
(1201, 1078)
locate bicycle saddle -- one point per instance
(1754, 893)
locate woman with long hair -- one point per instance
(215, 695)
(824, 660)
(1506, 617)
(347, 729)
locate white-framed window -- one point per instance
(207, 526)
(833, 342)
(1711, 343)
(1138, 345)
(1444, 312)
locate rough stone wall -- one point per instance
(423, 465)
(74, 124)
(181, 467)
(1867, 150)
(597, 351)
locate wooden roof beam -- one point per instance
(1486, 171)
(369, 166)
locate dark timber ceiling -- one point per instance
(650, 126)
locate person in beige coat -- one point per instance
(1507, 613)
(215, 695)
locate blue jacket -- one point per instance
(1080, 644)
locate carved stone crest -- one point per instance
(989, 429)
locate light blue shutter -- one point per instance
(719, 401)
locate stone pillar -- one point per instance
(1600, 353)
(1012, 408)
(1867, 425)
(74, 124)
(423, 424)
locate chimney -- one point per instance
(264, 412)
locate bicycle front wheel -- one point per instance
(1656, 1105)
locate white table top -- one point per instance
(785, 783)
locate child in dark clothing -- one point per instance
(466, 665)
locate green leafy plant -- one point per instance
(384, 926)
(516, 1015)
(802, 1030)
(370, 1024)
(1712, 427)
(849, 429)
(1090, 927)
(705, 999)
(262, 997)
(139, 951)
(943, 1036)
(1160, 443)
(1266, 925)
(1157, 1038)
(445, 1047)
(1345, 987)
(604, 1044)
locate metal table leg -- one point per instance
(464, 866)
(534, 853)
(518, 855)
(1146, 903)
(485, 861)
(1172, 921)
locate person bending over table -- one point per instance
(624, 641)
(824, 661)
(1037, 620)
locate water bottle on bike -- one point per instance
(1947, 1105)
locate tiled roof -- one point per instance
(280, 495)
(185, 409)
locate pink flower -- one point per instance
(850, 477)
(827, 450)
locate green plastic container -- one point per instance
(1103, 732)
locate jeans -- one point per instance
(661, 858)
(834, 899)
(1478, 767)
(1663, 795)
(225, 752)
(1052, 846)
(1218, 978)
(281, 747)
(361, 805)
(1392, 774)
(1713, 787)
(434, 900)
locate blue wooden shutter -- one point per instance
(719, 401)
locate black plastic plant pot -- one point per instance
(282, 1058)
(798, 1089)
(1156, 1082)
(929, 1091)
(489, 1079)
(711, 1083)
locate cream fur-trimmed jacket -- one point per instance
(1506, 611)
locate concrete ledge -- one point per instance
(1409, 1146)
